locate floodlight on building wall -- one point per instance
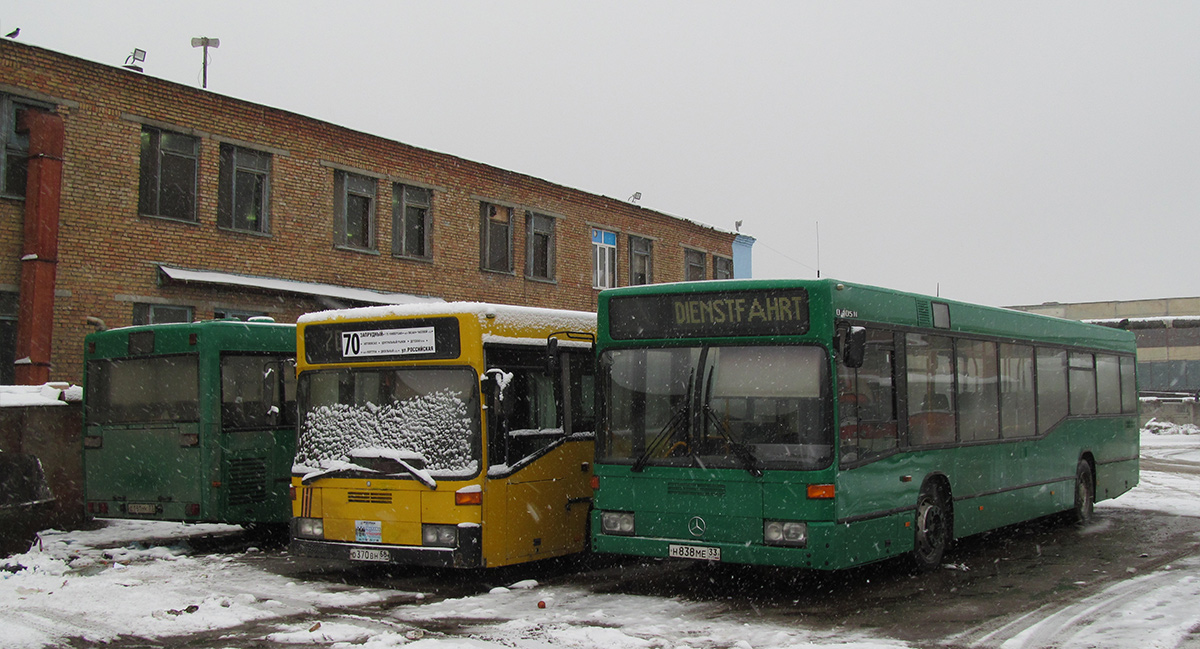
(132, 61)
(206, 43)
(637, 196)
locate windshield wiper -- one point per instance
(668, 431)
(739, 450)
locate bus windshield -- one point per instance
(144, 390)
(430, 417)
(748, 407)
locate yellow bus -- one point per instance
(447, 435)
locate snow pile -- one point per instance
(70, 586)
(435, 426)
(49, 394)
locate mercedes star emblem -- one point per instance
(697, 526)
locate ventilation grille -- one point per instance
(695, 489)
(372, 497)
(247, 480)
(924, 315)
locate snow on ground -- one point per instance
(99, 585)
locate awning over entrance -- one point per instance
(330, 291)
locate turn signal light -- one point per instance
(468, 498)
(820, 491)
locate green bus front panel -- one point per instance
(671, 505)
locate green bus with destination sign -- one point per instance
(823, 424)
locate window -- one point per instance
(354, 200)
(1108, 384)
(1082, 382)
(930, 362)
(539, 250)
(144, 314)
(245, 183)
(722, 267)
(1051, 388)
(412, 221)
(978, 396)
(1017, 395)
(9, 306)
(693, 261)
(236, 314)
(167, 185)
(640, 267)
(1128, 384)
(14, 155)
(495, 237)
(604, 258)
(867, 402)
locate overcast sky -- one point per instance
(998, 152)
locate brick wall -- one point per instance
(108, 253)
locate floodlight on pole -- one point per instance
(206, 43)
(132, 61)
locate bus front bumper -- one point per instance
(468, 554)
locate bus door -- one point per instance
(540, 450)
(257, 436)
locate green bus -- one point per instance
(192, 422)
(822, 424)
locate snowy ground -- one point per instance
(71, 587)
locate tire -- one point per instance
(1085, 493)
(932, 529)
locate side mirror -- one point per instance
(552, 357)
(854, 347)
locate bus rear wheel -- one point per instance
(932, 528)
(1085, 496)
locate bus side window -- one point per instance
(867, 402)
(930, 363)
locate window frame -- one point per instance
(540, 243)
(344, 188)
(231, 168)
(604, 259)
(722, 267)
(636, 255)
(15, 146)
(144, 313)
(401, 204)
(150, 172)
(487, 239)
(695, 265)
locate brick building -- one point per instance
(176, 203)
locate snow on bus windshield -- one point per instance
(431, 413)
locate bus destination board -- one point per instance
(771, 312)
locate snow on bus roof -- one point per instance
(507, 313)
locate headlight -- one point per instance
(789, 533)
(442, 536)
(310, 528)
(620, 523)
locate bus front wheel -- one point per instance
(1085, 497)
(932, 527)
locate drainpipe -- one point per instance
(43, 192)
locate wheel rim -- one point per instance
(930, 524)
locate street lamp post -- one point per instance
(206, 43)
